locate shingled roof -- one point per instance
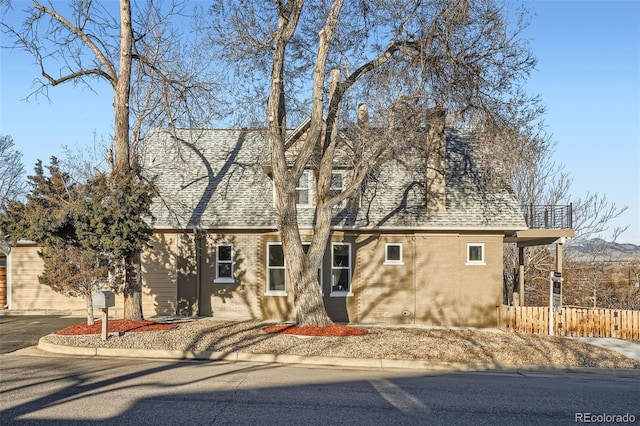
(216, 179)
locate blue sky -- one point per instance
(588, 74)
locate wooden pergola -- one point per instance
(537, 237)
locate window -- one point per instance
(475, 254)
(337, 186)
(393, 254)
(303, 189)
(224, 263)
(275, 270)
(341, 269)
(276, 276)
(304, 192)
(3, 260)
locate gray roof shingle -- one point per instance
(216, 178)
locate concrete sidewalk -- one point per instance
(628, 349)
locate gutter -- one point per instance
(362, 229)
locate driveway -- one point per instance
(17, 332)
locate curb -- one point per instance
(41, 312)
(370, 363)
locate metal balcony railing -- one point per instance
(548, 216)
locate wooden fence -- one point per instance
(572, 321)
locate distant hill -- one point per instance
(599, 249)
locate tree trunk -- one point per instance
(133, 288)
(301, 273)
(310, 309)
(124, 158)
(89, 303)
(122, 91)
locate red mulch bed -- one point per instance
(334, 330)
(115, 326)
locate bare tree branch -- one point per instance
(109, 72)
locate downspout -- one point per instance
(198, 250)
(5, 249)
(415, 281)
(9, 286)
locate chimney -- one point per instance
(363, 116)
(435, 182)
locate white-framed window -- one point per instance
(341, 269)
(276, 272)
(224, 263)
(337, 186)
(393, 254)
(475, 254)
(303, 189)
(276, 285)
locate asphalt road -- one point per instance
(47, 390)
(21, 331)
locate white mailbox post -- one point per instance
(104, 300)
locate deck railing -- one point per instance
(548, 216)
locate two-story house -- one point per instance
(421, 243)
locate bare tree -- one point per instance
(634, 273)
(525, 159)
(536, 179)
(142, 57)
(592, 216)
(12, 182)
(394, 56)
